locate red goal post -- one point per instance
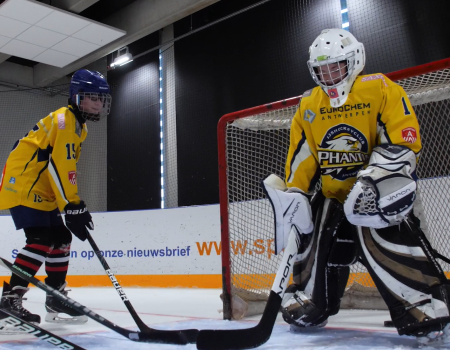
(253, 143)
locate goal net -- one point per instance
(253, 143)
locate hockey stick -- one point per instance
(9, 320)
(151, 336)
(428, 250)
(238, 339)
(191, 334)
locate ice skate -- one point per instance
(56, 307)
(11, 301)
(436, 339)
(297, 309)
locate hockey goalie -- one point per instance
(360, 136)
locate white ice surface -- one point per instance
(198, 308)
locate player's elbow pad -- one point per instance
(384, 192)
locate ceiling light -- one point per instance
(123, 57)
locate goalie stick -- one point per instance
(181, 337)
(9, 320)
(190, 334)
(249, 338)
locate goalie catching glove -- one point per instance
(290, 207)
(384, 192)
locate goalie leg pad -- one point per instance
(321, 282)
(344, 250)
(414, 289)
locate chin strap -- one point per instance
(74, 109)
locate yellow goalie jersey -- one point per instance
(41, 170)
(335, 143)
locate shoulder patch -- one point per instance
(374, 77)
(307, 93)
(61, 121)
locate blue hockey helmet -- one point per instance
(93, 85)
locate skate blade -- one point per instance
(311, 329)
(54, 317)
(441, 341)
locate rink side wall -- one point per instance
(162, 248)
(148, 248)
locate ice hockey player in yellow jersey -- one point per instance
(39, 181)
(358, 135)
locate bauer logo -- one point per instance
(116, 285)
(409, 135)
(73, 177)
(22, 327)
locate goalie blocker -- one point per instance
(290, 207)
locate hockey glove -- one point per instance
(290, 207)
(384, 193)
(78, 219)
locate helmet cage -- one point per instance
(318, 76)
(93, 96)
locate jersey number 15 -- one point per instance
(70, 151)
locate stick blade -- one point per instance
(231, 339)
(182, 337)
(239, 339)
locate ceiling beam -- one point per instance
(140, 18)
(75, 6)
(4, 57)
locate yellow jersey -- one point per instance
(41, 170)
(335, 143)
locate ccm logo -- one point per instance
(285, 274)
(77, 211)
(12, 322)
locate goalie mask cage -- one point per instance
(253, 143)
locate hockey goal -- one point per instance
(253, 143)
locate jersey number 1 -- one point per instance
(70, 153)
(405, 107)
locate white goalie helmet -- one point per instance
(335, 60)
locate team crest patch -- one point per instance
(12, 180)
(61, 121)
(409, 135)
(333, 93)
(342, 152)
(73, 177)
(309, 115)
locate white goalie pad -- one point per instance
(290, 207)
(385, 192)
